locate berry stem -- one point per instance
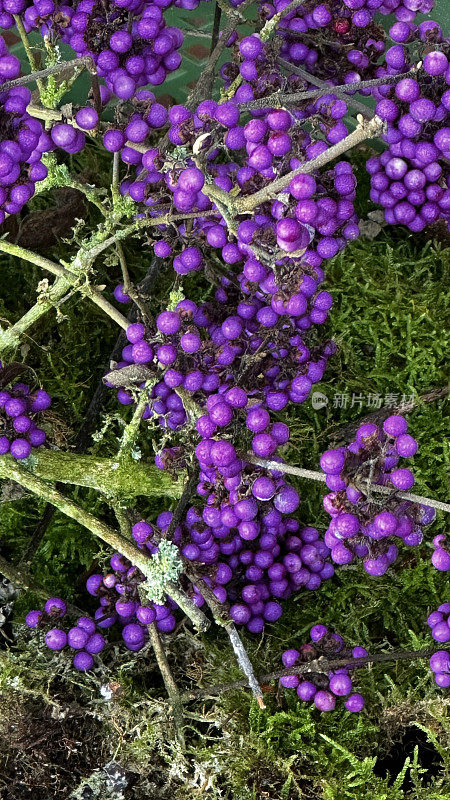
(317, 665)
(365, 130)
(71, 277)
(115, 178)
(203, 85)
(320, 476)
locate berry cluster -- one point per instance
(129, 42)
(23, 141)
(119, 603)
(20, 408)
(438, 621)
(243, 538)
(440, 666)
(82, 637)
(441, 556)
(147, 115)
(365, 524)
(215, 353)
(339, 43)
(118, 595)
(411, 179)
(321, 685)
(315, 219)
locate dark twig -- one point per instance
(216, 27)
(95, 86)
(188, 491)
(65, 66)
(317, 665)
(23, 580)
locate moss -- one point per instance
(123, 478)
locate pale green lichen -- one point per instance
(165, 566)
(54, 92)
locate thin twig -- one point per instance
(30, 55)
(356, 86)
(221, 618)
(121, 517)
(169, 682)
(37, 75)
(317, 665)
(115, 177)
(319, 476)
(188, 491)
(128, 286)
(344, 432)
(95, 86)
(21, 578)
(281, 98)
(71, 277)
(366, 130)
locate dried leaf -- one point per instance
(10, 372)
(135, 373)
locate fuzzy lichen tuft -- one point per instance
(165, 566)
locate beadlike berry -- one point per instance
(56, 639)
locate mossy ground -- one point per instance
(389, 320)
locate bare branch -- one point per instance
(319, 476)
(368, 130)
